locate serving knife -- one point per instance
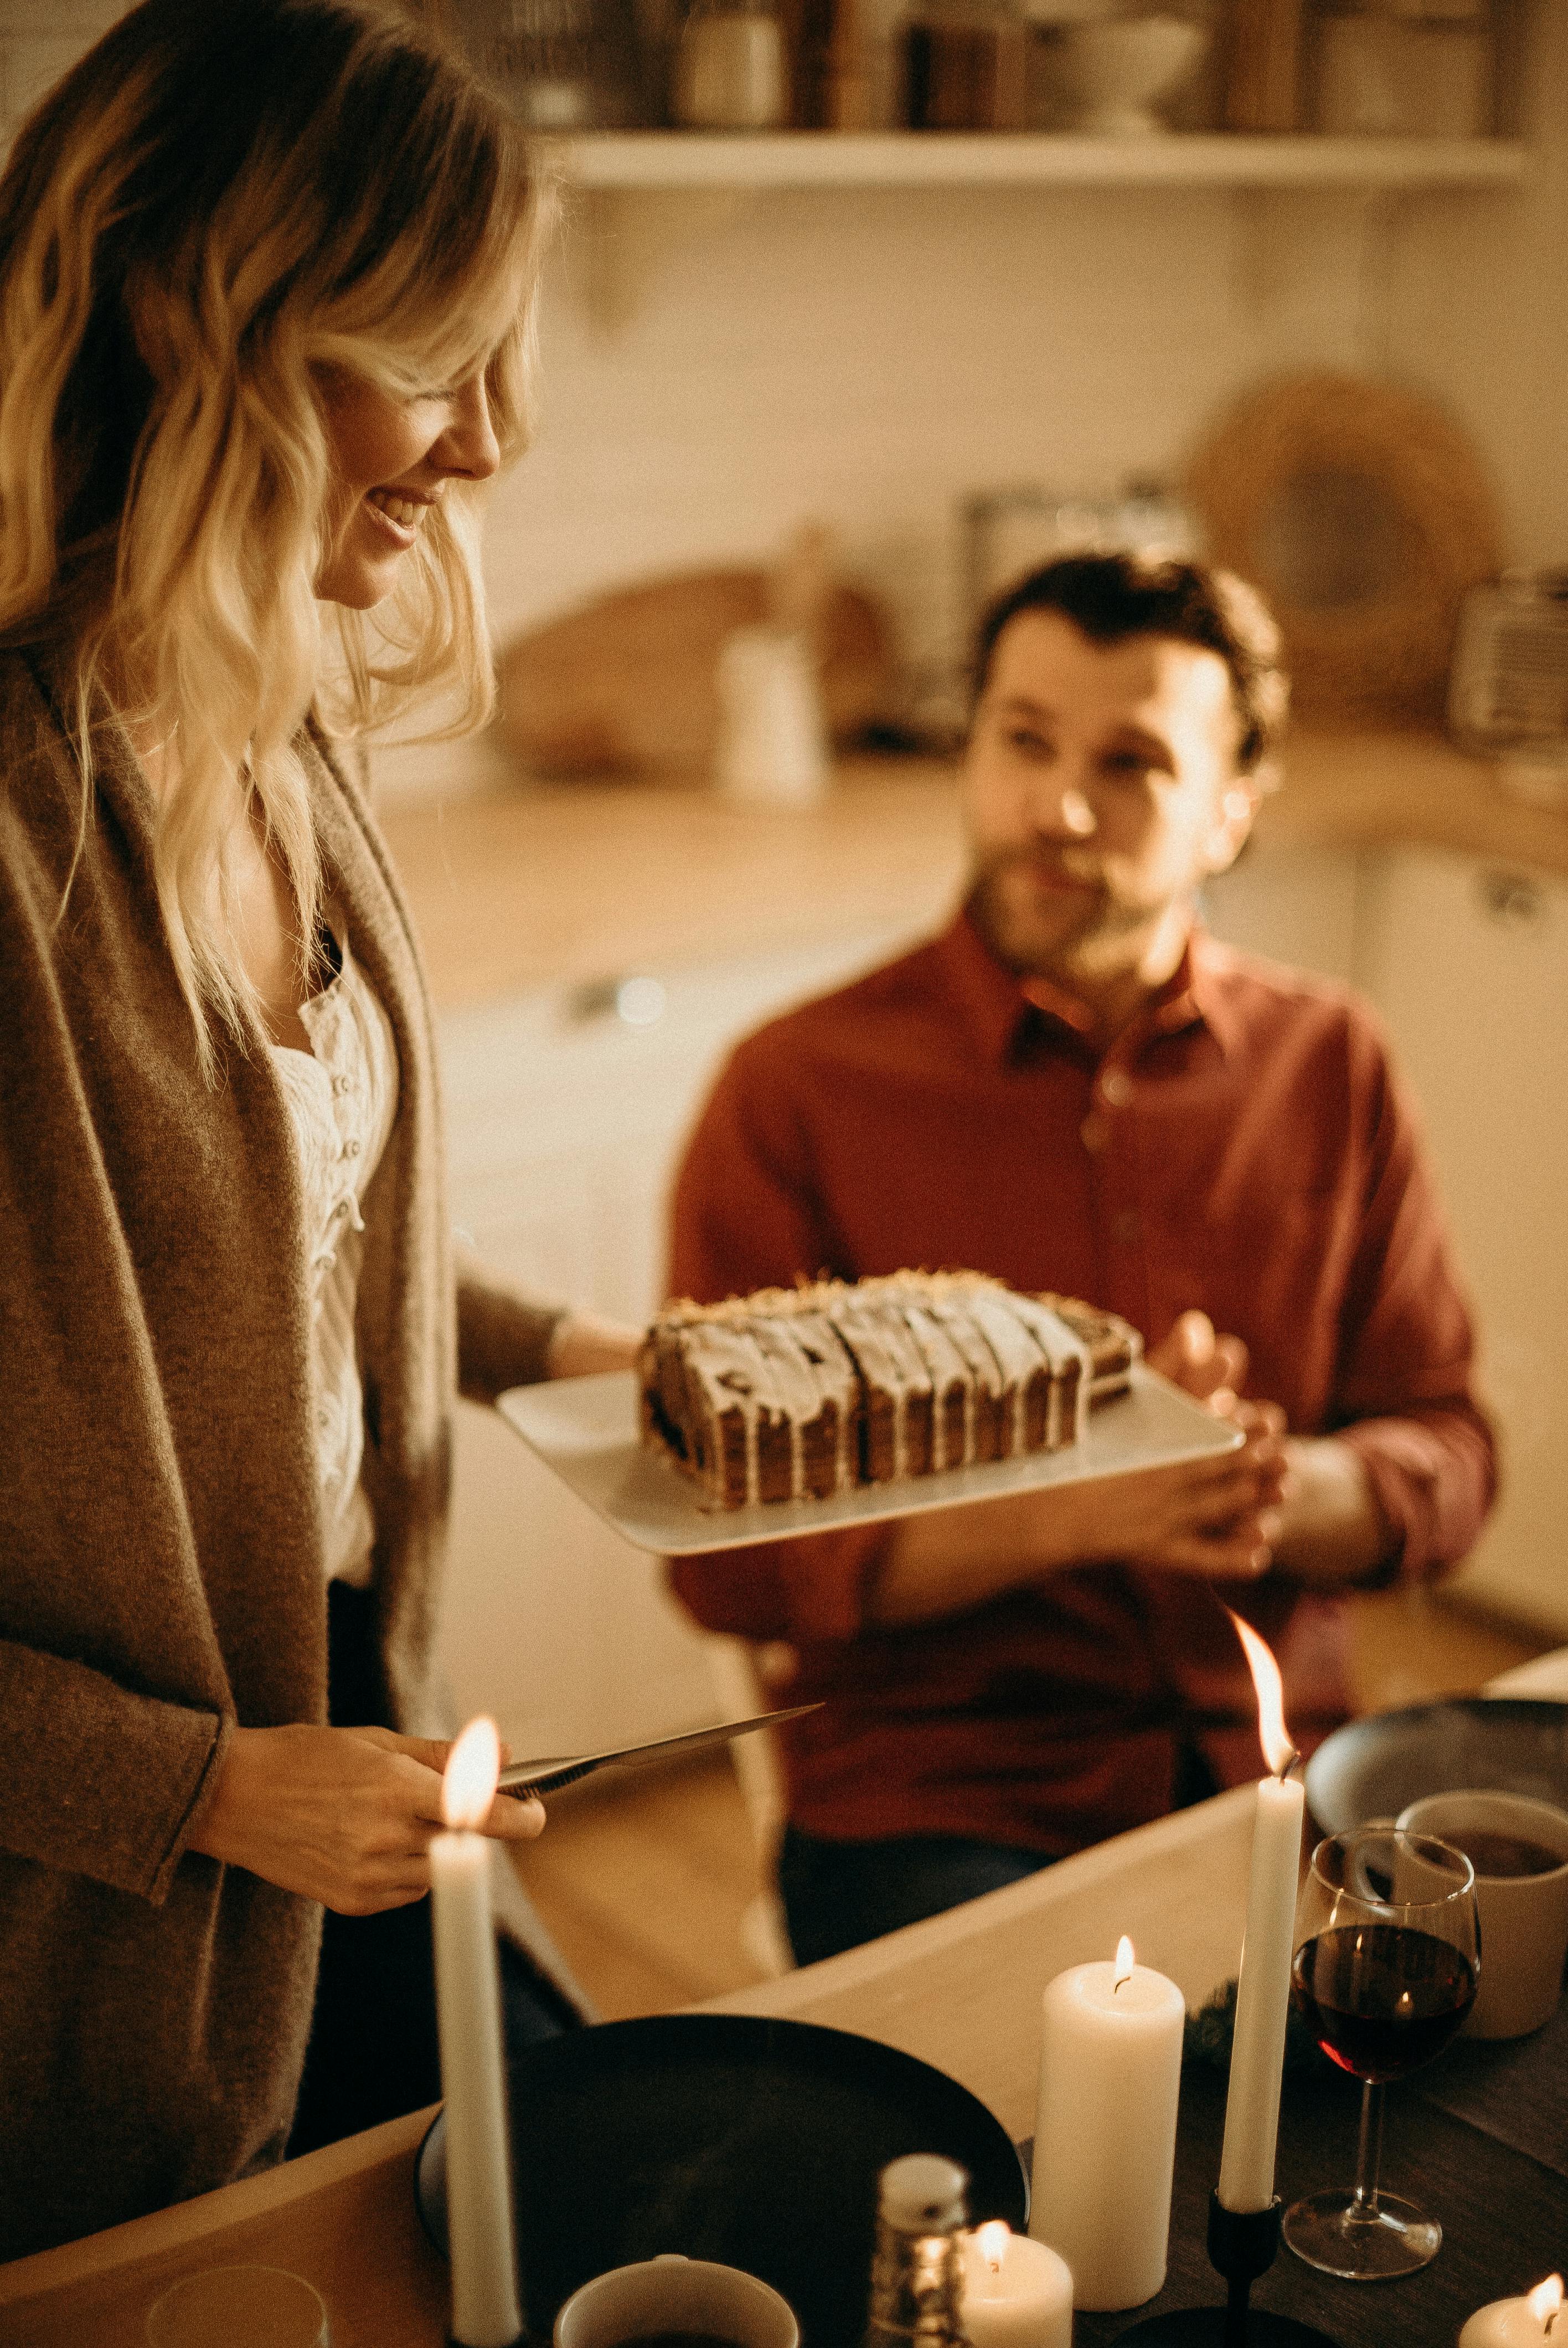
(523, 1778)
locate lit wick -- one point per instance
(993, 2237)
(1272, 1733)
(1124, 1962)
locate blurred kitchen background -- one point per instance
(855, 307)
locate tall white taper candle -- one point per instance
(1263, 1990)
(484, 2311)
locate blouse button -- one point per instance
(351, 1150)
(340, 1086)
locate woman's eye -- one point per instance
(1025, 738)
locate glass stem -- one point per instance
(1368, 2153)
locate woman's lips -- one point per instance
(399, 517)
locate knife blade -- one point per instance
(523, 1778)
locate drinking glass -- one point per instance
(1388, 1953)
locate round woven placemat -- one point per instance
(1334, 453)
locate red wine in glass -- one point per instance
(1387, 1955)
(1381, 1999)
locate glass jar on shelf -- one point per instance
(1402, 68)
(562, 65)
(730, 67)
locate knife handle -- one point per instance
(549, 1781)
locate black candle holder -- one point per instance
(1243, 2245)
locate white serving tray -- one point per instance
(586, 1430)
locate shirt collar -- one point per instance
(999, 1006)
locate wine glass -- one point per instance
(1388, 1951)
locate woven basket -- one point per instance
(1398, 517)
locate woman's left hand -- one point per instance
(582, 1345)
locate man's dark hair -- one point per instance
(1114, 596)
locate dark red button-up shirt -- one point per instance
(1242, 1148)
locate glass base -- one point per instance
(1368, 2241)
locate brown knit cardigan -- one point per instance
(160, 1551)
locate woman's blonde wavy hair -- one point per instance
(222, 201)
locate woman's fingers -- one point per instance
(511, 1821)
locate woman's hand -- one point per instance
(581, 1346)
(342, 1815)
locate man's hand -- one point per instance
(1323, 1524)
(1206, 1516)
(1210, 1367)
(342, 1815)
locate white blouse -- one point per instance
(342, 1097)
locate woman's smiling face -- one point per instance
(391, 459)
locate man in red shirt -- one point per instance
(1075, 1089)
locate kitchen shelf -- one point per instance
(627, 160)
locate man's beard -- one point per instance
(1059, 938)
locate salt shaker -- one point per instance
(918, 2269)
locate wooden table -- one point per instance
(962, 1992)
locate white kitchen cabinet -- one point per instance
(1468, 963)
(1296, 905)
(564, 1122)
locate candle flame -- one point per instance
(1126, 1961)
(1272, 1733)
(1545, 2301)
(473, 1765)
(993, 2237)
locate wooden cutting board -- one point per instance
(627, 684)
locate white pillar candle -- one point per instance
(1529, 2323)
(1016, 2293)
(1105, 2134)
(1263, 1990)
(484, 2311)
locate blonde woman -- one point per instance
(265, 277)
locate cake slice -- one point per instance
(1114, 1343)
(898, 1396)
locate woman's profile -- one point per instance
(266, 273)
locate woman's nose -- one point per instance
(470, 445)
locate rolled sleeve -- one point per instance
(1433, 1475)
(95, 1778)
(503, 1336)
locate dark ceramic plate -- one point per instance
(725, 2136)
(1370, 1768)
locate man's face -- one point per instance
(1100, 789)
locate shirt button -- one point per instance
(1116, 1086)
(1094, 1131)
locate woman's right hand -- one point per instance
(342, 1815)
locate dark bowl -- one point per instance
(1371, 1768)
(725, 2136)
